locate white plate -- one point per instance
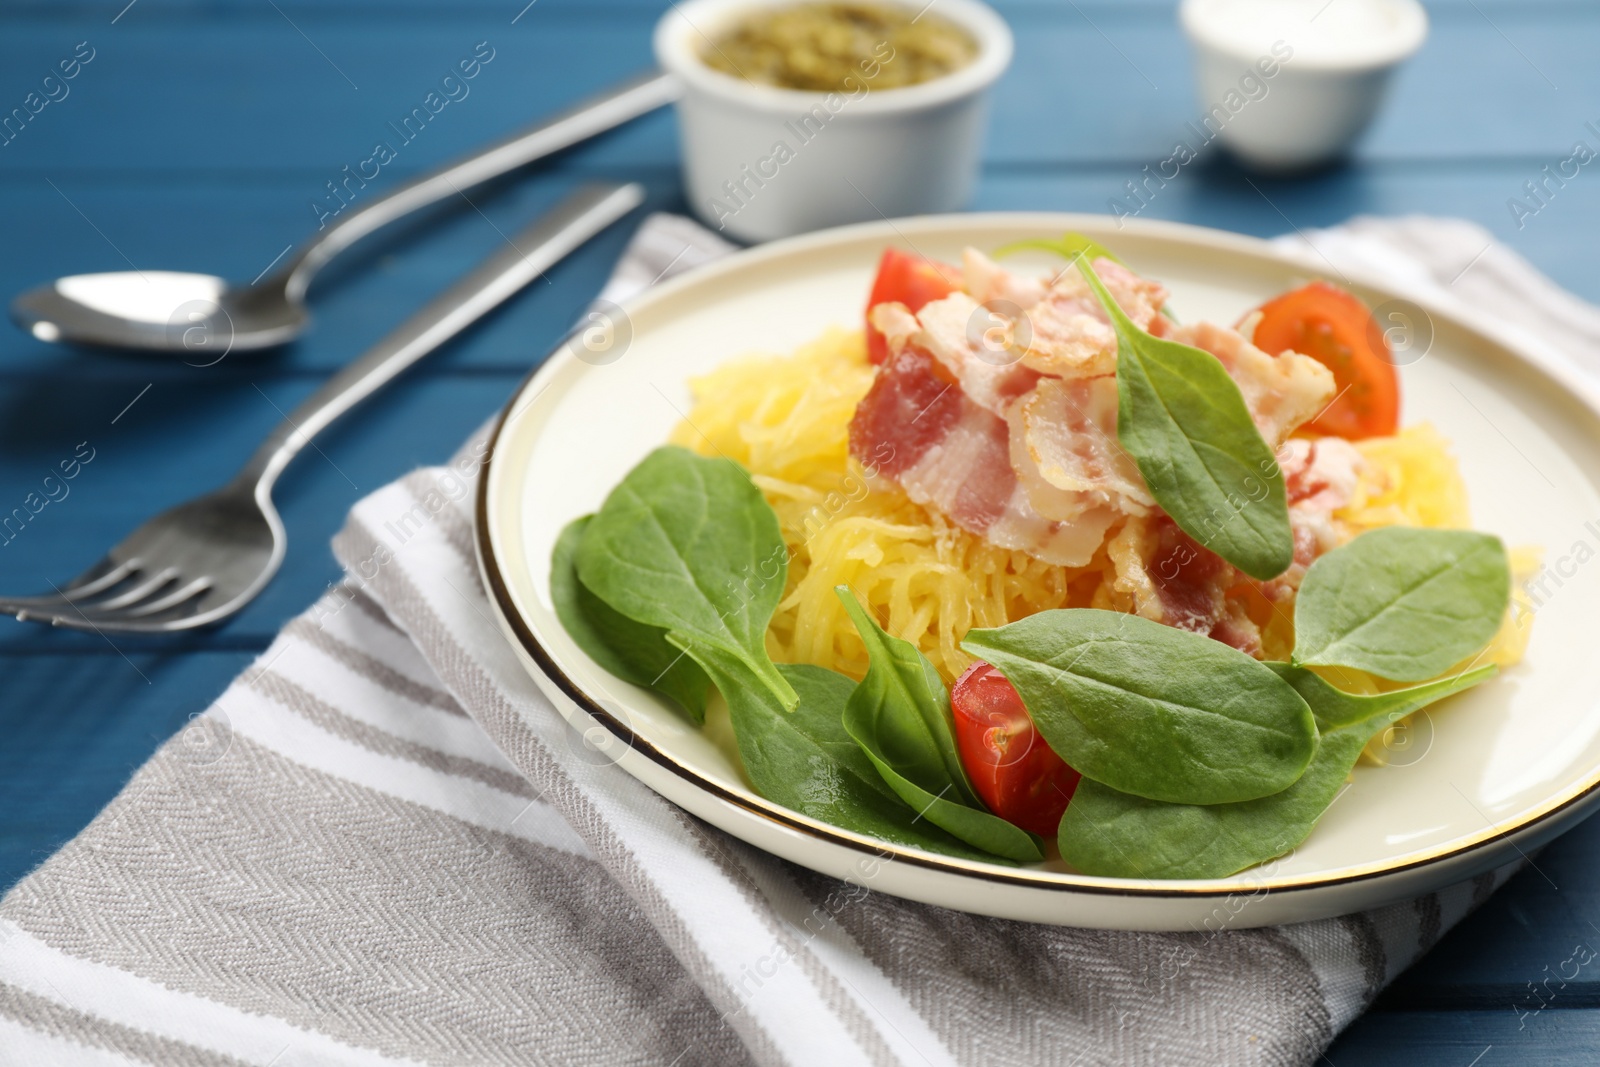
(1508, 766)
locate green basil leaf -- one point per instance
(1151, 710)
(1402, 603)
(900, 716)
(1116, 835)
(1185, 423)
(630, 650)
(804, 759)
(687, 544)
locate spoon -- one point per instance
(201, 314)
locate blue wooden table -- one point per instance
(198, 134)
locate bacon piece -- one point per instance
(1069, 340)
(1069, 334)
(961, 335)
(896, 322)
(989, 283)
(908, 411)
(968, 476)
(1237, 629)
(1282, 392)
(1320, 476)
(1308, 545)
(1166, 576)
(1065, 450)
(965, 474)
(1172, 579)
(1059, 327)
(951, 454)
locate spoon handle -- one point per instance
(632, 98)
(582, 215)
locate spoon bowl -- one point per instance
(198, 316)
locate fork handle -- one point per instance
(582, 215)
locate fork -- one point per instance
(204, 560)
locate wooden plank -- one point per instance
(1468, 1039)
(258, 95)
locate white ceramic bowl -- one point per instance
(1291, 84)
(844, 157)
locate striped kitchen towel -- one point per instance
(382, 845)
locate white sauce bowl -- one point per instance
(1331, 62)
(760, 162)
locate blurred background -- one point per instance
(205, 135)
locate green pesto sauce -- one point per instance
(841, 47)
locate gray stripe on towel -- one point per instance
(998, 991)
(271, 684)
(370, 667)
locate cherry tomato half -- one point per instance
(1335, 328)
(1019, 776)
(911, 280)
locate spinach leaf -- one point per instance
(687, 544)
(1185, 423)
(804, 759)
(900, 716)
(1116, 835)
(630, 650)
(1402, 603)
(1150, 710)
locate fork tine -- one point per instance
(180, 595)
(25, 609)
(39, 609)
(85, 586)
(138, 591)
(171, 611)
(106, 575)
(75, 603)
